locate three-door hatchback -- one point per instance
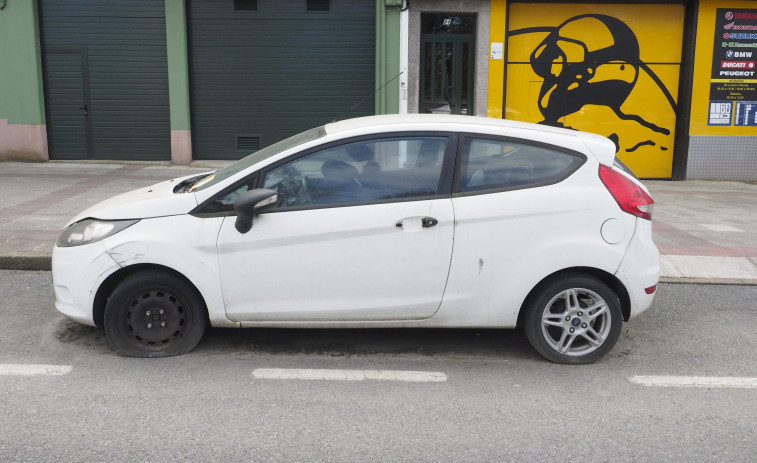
(384, 221)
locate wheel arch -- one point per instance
(107, 287)
(607, 278)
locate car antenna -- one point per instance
(374, 92)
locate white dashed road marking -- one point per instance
(696, 381)
(350, 375)
(33, 370)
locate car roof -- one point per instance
(603, 148)
(452, 122)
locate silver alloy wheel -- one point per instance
(576, 322)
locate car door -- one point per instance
(518, 218)
(362, 231)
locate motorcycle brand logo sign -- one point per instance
(734, 35)
(736, 73)
(738, 54)
(738, 44)
(740, 27)
(737, 65)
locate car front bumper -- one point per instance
(77, 273)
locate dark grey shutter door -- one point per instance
(125, 45)
(267, 73)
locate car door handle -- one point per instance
(411, 223)
(428, 222)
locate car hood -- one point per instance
(157, 200)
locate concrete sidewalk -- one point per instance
(706, 231)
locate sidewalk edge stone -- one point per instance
(25, 260)
(710, 281)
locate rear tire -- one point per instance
(575, 319)
(154, 314)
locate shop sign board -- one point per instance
(733, 82)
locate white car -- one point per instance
(384, 221)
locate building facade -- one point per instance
(672, 83)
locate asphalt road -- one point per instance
(493, 398)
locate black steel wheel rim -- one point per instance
(156, 318)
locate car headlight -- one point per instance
(91, 230)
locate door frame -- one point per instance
(457, 41)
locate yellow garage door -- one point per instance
(611, 69)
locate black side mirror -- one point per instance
(251, 203)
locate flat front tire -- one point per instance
(574, 319)
(154, 314)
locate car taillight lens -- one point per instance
(630, 197)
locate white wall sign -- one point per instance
(497, 50)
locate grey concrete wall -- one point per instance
(481, 8)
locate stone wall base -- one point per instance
(181, 146)
(20, 142)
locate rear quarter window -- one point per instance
(496, 164)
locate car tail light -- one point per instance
(630, 197)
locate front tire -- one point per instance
(154, 314)
(575, 319)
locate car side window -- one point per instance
(361, 172)
(489, 164)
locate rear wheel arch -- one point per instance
(605, 277)
(112, 281)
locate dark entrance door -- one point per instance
(69, 128)
(447, 63)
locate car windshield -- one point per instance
(258, 156)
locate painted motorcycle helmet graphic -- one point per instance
(590, 59)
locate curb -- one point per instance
(42, 261)
(709, 281)
(26, 261)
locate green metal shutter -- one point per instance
(260, 75)
(125, 78)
